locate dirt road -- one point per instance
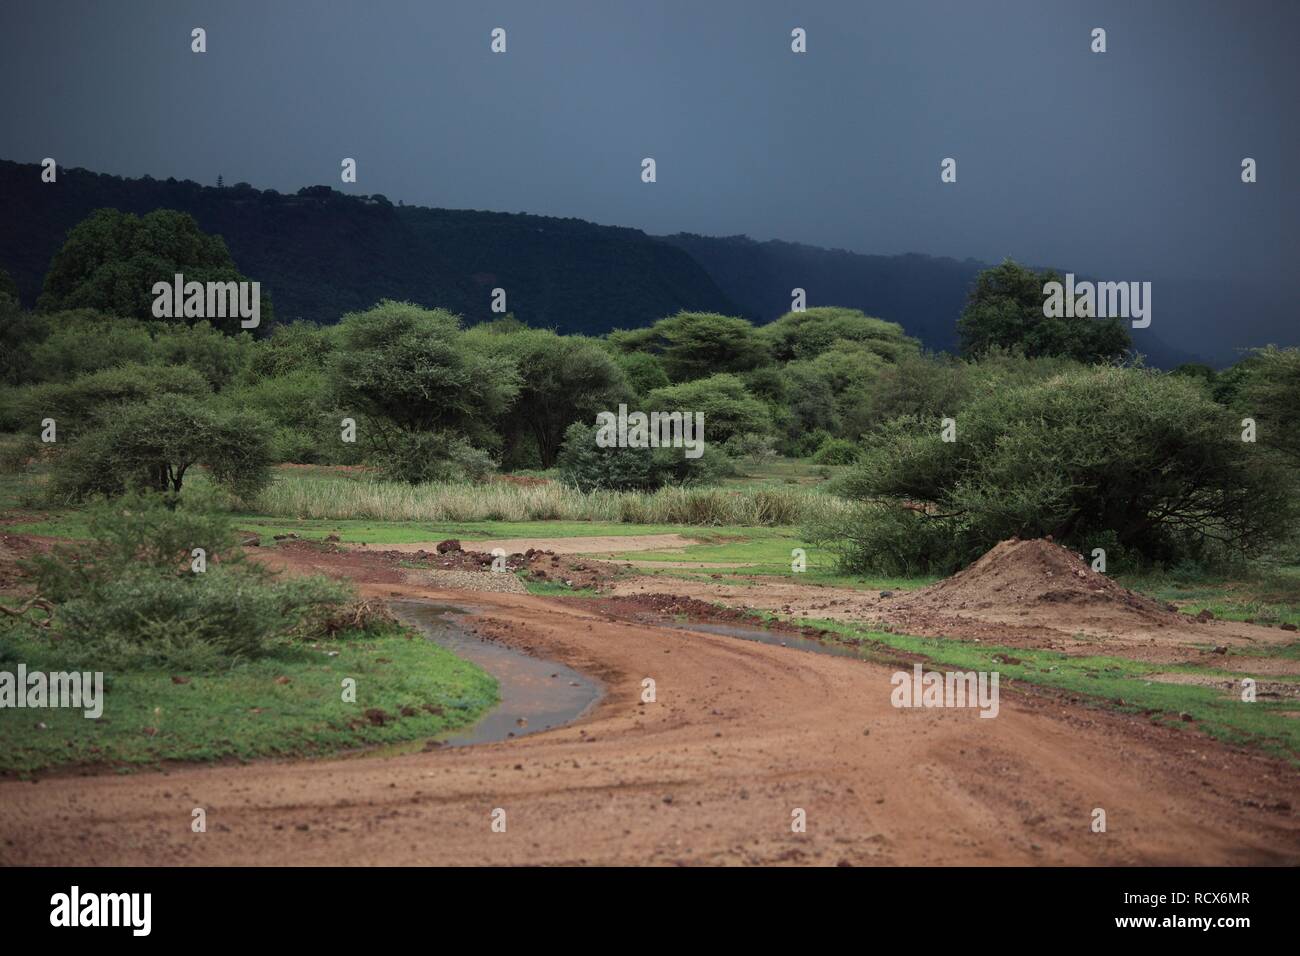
(741, 735)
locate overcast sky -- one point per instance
(1125, 165)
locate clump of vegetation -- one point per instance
(166, 587)
(1140, 461)
(588, 467)
(152, 445)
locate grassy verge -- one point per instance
(1270, 597)
(288, 704)
(1111, 681)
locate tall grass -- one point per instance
(297, 496)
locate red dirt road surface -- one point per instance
(741, 735)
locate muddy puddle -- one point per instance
(535, 694)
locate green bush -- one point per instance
(586, 466)
(142, 619)
(131, 598)
(152, 445)
(91, 400)
(1143, 461)
(836, 451)
(419, 457)
(727, 406)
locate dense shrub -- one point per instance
(152, 445)
(728, 408)
(130, 598)
(418, 457)
(836, 451)
(1144, 460)
(586, 466)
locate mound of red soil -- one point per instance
(1037, 579)
(570, 570)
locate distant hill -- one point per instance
(321, 253)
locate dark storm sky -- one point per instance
(1124, 165)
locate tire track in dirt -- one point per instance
(742, 734)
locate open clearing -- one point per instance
(741, 735)
(593, 544)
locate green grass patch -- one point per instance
(1112, 681)
(1268, 596)
(246, 712)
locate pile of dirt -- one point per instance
(568, 570)
(1038, 582)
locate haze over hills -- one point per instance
(321, 253)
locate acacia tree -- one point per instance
(152, 446)
(691, 345)
(563, 379)
(1005, 310)
(410, 372)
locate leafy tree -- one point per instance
(82, 341)
(644, 372)
(728, 408)
(112, 259)
(1005, 310)
(1093, 456)
(691, 345)
(1271, 395)
(409, 369)
(807, 334)
(91, 400)
(563, 379)
(8, 288)
(152, 445)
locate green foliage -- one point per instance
(919, 385)
(1005, 310)
(92, 400)
(419, 457)
(1271, 395)
(305, 426)
(219, 358)
(836, 451)
(152, 444)
(129, 598)
(807, 334)
(112, 259)
(728, 408)
(562, 379)
(409, 369)
(644, 372)
(691, 345)
(1144, 460)
(586, 466)
(21, 333)
(296, 347)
